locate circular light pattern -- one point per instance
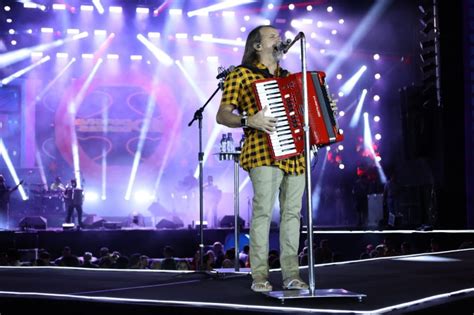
(378, 136)
(235, 49)
(340, 147)
(341, 94)
(377, 76)
(13, 42)
(9, 20)
(322, 51)
(313, 35)
(339, 76)
(7, 8)
(291, 6)
(319, 24)
(341, 166)
(378, 158)
(327, 41)
(341, 21)
(376, 56)
(270, 6)
(247, 18)
(330, 9)
(11, 31)
(342, 113)
(309, 8)
(376, 118)
(266, 22)
(243, 29)
(334, 32)
(376, 98)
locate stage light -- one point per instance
(7, 8)
(181, 36)
(270, 6)
(228, 13)
(112, 56)
(330, 9)
(340, 94)
(230, 42)
(243, 29)
(342, 113)
(247, 18)
(11, 31)
(220, 6)
(98, 6)
(136, 57)
(341, 166)
(176, 12)
(376, 98)
(154, 35)
(36, 54)
(377, 76)
(369, 146)
(87, 56)
(295, 23)
(376, 118)
(9, 20)
(212, 59)
(327, 41)
(309, 8)
(291, 6)
(29, 31)
(72, 31)
(47, 30)
(376, 57)
(59, 6)
(100, 32)
(341, 21)
(378, 136)
(319, 24)
(334, 32)
(141, 10)
(159, 54)
(51, 83)
(13, 42)
(87, 8)
(115, 9)
(339, 76)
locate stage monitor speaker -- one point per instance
(93, 222)
(38, 223)
(167, 224)
(228, 221)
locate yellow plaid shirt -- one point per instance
(256, 151)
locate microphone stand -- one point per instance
(198, 117)
(312, 292)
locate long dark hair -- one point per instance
(250, 54)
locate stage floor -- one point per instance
(425, 283)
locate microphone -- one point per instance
(223, 72)
(283, 45)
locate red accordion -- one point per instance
(284, 98)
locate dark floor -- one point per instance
(386, 282)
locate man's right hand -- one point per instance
(262, 121)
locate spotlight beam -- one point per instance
(220, 6)
(21, 72)
(368, 144)
(160, 55)
(50, 84)
(356, 116)
(11, 169)
(360, 32)
(15, 56)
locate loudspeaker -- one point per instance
(38, 223)
(228, 221)
(93, 222)
(166, 224)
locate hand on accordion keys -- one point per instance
(263, 121)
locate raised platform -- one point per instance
(435, 283)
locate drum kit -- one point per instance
(45, 200)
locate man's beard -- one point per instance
(277, 54)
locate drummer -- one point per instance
(57, 186)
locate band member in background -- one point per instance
(73, 199)
(5, 193)
(57, 185)
(56, 192)
(268, 176)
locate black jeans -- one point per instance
(70, 210)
